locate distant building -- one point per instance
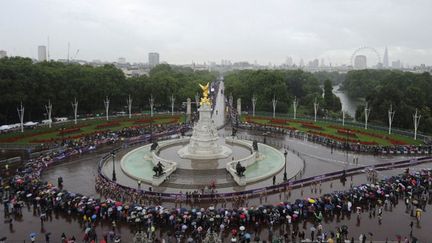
(301, 64)
(360, 62)
(314, 63)
(386, 59)
(396, 64)
(42, 53)
(153, 59)
(121, 60)
(289, 61)
(3, 53)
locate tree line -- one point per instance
(284, 86)
(34, 84)
(405, 91)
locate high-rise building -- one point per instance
(396, 64)
(360, 62)
(3, 53)
(301, 64)
(314, 63)
(121, 60)
(153, 59)
(42, 53)
(289, 61)
(385, 59)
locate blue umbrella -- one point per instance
(33, 234)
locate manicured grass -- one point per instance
(86, 127)
(331, 130)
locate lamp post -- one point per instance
(254, 100)
(75, 108)
(21, 116)
(114, 178)
(106, 103)
(151, 100)
(285, 177)
(274, 102)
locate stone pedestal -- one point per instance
(204, 141)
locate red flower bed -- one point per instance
(380, 136)
(108, 124)
(310, 126)
(396, 142)
(146, 120)
(278, 121)
(19, 137)
(347, 132)
(340, 139)
(70, 130)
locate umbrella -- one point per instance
(29, 195)
(33, 234)
(310, 200)
(242, 228)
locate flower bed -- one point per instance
(68, 131)
(278, 121)
(146, 120)
(374, 135)
(19, 137)
(109, 124)
(340, 139)
(347, 132)
(310, 126)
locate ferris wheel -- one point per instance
(366, 49)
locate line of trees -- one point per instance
(284, 85)
(405, 91)
(34, 84)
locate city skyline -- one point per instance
(201, 32)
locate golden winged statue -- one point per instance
(205, 99)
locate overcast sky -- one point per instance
(200, 30)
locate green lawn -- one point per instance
(88, 126)
(332, 131)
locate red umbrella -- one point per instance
(118, 204)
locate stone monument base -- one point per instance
(188, 153)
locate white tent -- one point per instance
(30, 124)
(5, 127)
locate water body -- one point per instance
(349, 104)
